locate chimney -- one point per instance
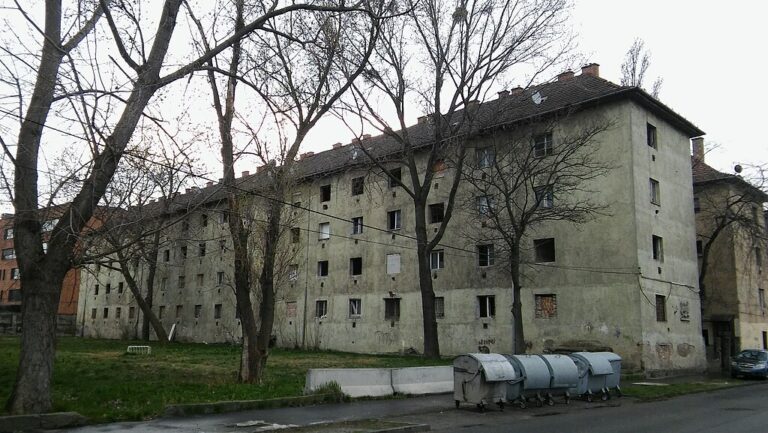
(563, 76)
(245, 173)
(422, 119)
(366, 136)
(209, 183)
(592, 69)
(503, 94)
(516, 91)
(337, 145)
(698, 149)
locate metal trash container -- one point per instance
(564, 376)
(536, 379)
(481, 379)
(598, 373)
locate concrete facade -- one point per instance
(604, 290)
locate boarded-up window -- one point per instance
(290, 309)
(393, 264)
(545, 306)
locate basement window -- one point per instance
(486, 306)
(544, 250)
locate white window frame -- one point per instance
(489, 253)
(543, 145)
(397, 222)
(357, 225)
(324, 231)
(437, 260)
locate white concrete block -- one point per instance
(422, 380)
(355, 382)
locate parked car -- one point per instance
(750, 362)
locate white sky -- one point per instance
(708, 53)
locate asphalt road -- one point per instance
(740, 409)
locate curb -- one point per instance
(179, 410)
(405, 429)
(41, 421)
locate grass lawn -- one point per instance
(99, 380)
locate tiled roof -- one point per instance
(579, 92)
(705, 174)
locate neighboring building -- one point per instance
(625, 281)
(733, 302)
(10, 283)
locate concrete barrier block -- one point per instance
(422, 380)
(355, 382)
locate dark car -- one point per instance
(750, 362)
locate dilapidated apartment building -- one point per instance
(624, 280)
(731, 238)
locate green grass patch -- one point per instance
(658, 392)
(99, 380)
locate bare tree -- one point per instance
(444, 59)
(67, 76)
(534, 175)
(299, 69)
(635, 66)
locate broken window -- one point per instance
(393, 264)
(295, 235)
(437, 259)
(357, 225)
(222, 245)
(324, 230)
(544, 250)
(219, 278)
(120, 287)
(131, 312)
(542, 145)
(486, 157)
(356, 266)
(201, 249)
(8, 234)
(392, 309)
(436, 213)
(355, 307)
(487, 306)
(183, 252)
(651, 138)
(485, 205)
(393, 220)
(658, 248)
(545, 306)
(485, 255)
(545, 196)
(108, 288)
(105, 313)
(358, 185)
(217, 311)
(118, 311)
(293, 272)
(96, 290)
(322, 268)
(15, 275)
(198, 310)
(204, 220)
(9, 254)
(661, 308)
(321, 308)
(655, 191)
(439, 307)
(395, 175)
(325, 193)
(167, 255)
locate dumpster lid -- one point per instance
(495, 366)
(599, 363)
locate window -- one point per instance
(219, 278)
(49, 225)
(131, 312)
(200, 278)
(293, 272)
(699, 248)
(161, 313)
(120, 287)
(321, 308)
(325, 193)
(217, 311)
(542, 145)
(545, 306)
(185, 225)
(201, 249)
(486, 157)
(355, 307)
(45, 247)
(655, 191)
(14, 295)
(15, 274)
(439, 307)
(754, 215)
(93, 313)
(437, 259)
(184, 252)
(395, 176)
(393, 264)
(436, 213)
(163, 283)
(9, 254)
(661, 308)
(179, 310)
(696, 205)
(658, 248)
(545, 198)
(96, 290)
(198, 311)
(8, 233)
(357, 225)
(222, 245)
(167, 255)
(322, 268)
(105, 313)
(651, 135)
(487, 306)
(485, 205)
(761, 298)
(485, 255)
(393, 220)
(181, 281)
(295, 235)
(544, 250)
(204, 220)
(392, 309)
(324, 230)
(223, 217)
(356, 266)
(759, 257)
(358, 185)
(108, 289)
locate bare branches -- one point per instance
(635, 67)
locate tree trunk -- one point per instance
(146, 308)
(518, 334)
(267, 282)
(248, 360)
(429, 321)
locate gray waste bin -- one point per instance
(481, 379)
(536, 379)
(599, 372)
(564, 376)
